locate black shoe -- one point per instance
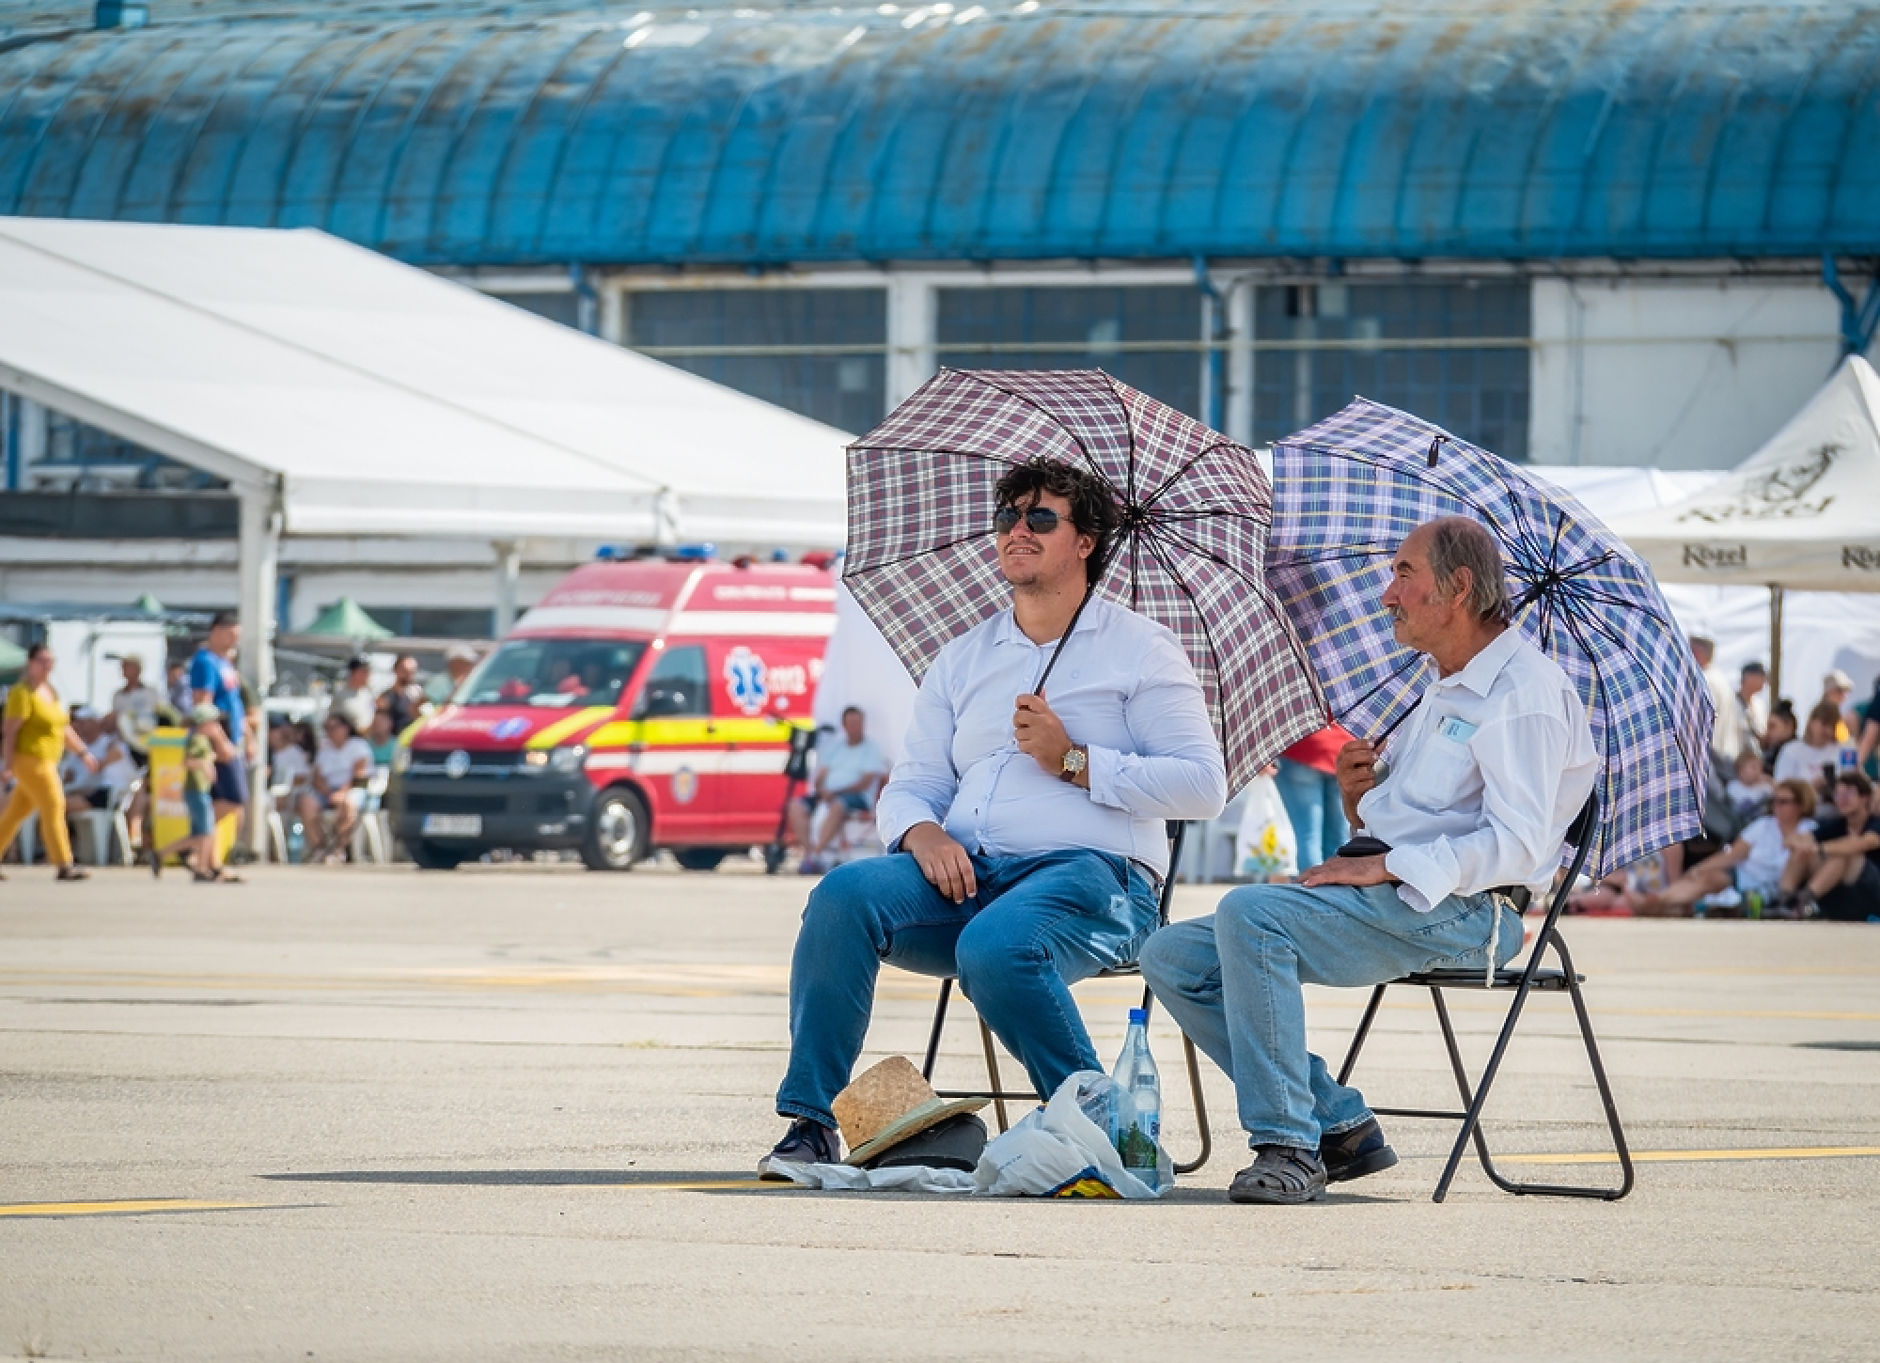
(1355, 1153)
(1283, 1174)
(806, 1142)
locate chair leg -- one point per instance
(1470, 1128)
(933, 1038)
(1613, 1125)
(1364, 1030)
(992, 1075)
(1201, 1110)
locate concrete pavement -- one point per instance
(511, 1112)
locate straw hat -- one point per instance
(887, 1104)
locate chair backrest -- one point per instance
(1580, 839)
(1177, 835)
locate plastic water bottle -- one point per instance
(296, 842)
(1136, 1075)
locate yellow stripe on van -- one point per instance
(691, 731)
(567, 728)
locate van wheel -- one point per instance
(430, 857)
(617, 831)
(700, 858)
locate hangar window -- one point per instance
(820, 352)
(1147, 336)
(1455, 353)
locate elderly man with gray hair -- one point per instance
(1483, 778)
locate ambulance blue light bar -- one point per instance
(692, 553)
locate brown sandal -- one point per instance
(73, 873)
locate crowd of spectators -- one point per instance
(323, 772)
(1792, 821)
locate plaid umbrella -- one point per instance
(1350, 488)
(1191, 553)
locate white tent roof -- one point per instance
(1802, 512)
(380, 399)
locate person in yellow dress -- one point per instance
(34, 734)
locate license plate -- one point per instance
(453, 825)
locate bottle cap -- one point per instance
(1139, 1015)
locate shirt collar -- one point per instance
(1480, 672)
(1008, 632)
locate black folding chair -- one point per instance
(1000, 1095)
(1528, 978)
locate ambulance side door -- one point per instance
(683, 758)
(753, 682)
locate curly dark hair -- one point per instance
(1093, 506)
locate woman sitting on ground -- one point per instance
(1815, 750)
(1759, 861)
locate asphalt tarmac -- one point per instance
(512, 1113)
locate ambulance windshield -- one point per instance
(552, 673)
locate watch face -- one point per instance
(1074, 761)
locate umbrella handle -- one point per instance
(1063, 639)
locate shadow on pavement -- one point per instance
(505, 1178)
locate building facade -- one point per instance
(1600, 233)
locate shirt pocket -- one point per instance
(1441, 775)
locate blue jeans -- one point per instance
(1316, 809)
(1036, 925)
(1233, 983)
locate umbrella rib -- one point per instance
(1170, 481)
(1168, 537)
(1056, 422)
(1206, 634)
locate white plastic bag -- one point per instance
(1266, 848)
(1058, 1150)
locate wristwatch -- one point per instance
(1075, 760)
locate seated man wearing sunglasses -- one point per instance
(1030, 832)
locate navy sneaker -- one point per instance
(806, 1142)
(1355, 1153)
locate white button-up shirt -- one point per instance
(1484, 777)
(1124, 688)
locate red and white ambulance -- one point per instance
(641, 704)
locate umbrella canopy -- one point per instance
(345, 620)
(12, 662)
(1349, 489)
(148, 604)
(923, 564)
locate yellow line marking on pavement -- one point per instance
(768, 1185)
(1684, 1156)
(158, 1204)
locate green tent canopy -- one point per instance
(148, 604)
(344, 619)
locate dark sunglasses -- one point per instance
(1040, 520)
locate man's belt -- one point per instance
(1364, 845)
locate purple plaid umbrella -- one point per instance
(1190, 555)
(1350, 488)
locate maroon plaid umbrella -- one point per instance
(1191, 554)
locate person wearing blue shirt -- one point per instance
(1027, 835)
(213, 680)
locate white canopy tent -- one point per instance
(341, 393)
(1802, 513)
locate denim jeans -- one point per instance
(1316, 809)
(1233, 983)
(1036, 925)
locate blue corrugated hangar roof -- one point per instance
(535, 133)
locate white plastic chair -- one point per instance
(121, 822)
(277, 829)
(372, 834)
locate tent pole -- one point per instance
(259, 557)
(1775, 643)
(508, 570)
